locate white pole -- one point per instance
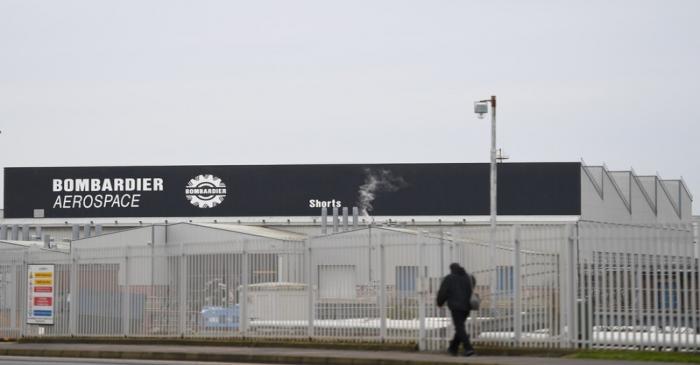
(571, 285)
(382, 288)
(15, 299)
(696, 239)
(73, 293)
(493, 187)
(243, 295)
(182, 288)
(517, 300)
(310, 287)
(126, 299)
(421, 295)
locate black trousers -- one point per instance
(461, 336)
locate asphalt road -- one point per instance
(15, 360)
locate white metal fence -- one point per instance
(637, 287)
(588, 284)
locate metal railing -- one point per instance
(593, 285)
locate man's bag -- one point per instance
(475, 301)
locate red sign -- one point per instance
(43, 289)
(42, 301)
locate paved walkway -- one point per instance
(274, 355)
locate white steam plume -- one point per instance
(376, 182)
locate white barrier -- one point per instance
(593, 285)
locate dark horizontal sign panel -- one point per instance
(290, 190)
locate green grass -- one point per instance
(677, 357)
(241, 342)
(657, 356)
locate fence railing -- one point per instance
(637, 287)
(593, 285)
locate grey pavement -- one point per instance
(274, 355)
(33, 360)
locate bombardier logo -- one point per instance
(205, 191)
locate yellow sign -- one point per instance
(43, 282)
(43, 274)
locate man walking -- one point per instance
(456, 289)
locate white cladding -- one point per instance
(147, 246)
(277, 302)
(624, 197)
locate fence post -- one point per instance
(310, 287)
(693, 278)
(243, 299)
(126, 302)
(421, 292)
(571, 284)
(25, 299)
(382, 289)
(182, 290)
(696, 240)
(451, 254)
(73, 293)
(14, 289)
(517, 300)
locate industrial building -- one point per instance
(345, 251)
(60, 205)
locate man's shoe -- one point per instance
(469, 353)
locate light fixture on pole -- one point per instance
(481, 107)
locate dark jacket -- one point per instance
(456, 289)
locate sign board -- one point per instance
(449, 189)
(40, 294)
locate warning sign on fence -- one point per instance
(40, 294)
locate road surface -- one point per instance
(16, 360)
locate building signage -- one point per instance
(102, 193)
(205, 191)
(290, 190)
(40, 294)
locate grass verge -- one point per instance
(239, 342)
(677, 357)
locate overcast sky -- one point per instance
(281, 82)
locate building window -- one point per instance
(504, 279)
(406, 278)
